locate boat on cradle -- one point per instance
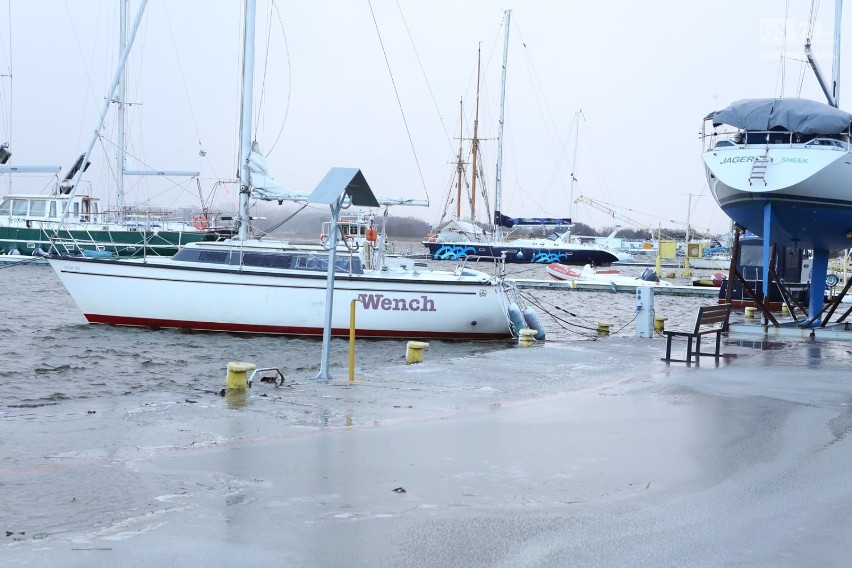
(606, 276)
(460, 239)
(780, 168)
(251, 285)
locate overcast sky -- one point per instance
(644, 74)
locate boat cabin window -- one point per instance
(6, 207)
(209, 256)
(52, 213)
(308, 262)
(20, 206)
(825, 142)
(37, 208)
(317, 263)
(266, 260)
(769, 137)
(725, 144)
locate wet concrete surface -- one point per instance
(617, 460)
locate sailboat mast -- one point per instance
(245, 117)
(498, 185)
(459, 163)
(113, 86)
(574, 164)
(835, 64)
(475, 146)
(120, 96)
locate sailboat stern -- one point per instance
(783, 165)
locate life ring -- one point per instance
(199, 222)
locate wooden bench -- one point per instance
(711, 319)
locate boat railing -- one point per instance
(497, 264)
(741, 139)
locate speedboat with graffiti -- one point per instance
(556, 248)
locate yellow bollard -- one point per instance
(785, 309)
(236, 378)
(526, 337)
(660, 324)
(749, 311)
(603, 328)
(414, 351)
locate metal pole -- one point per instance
(352, 340)
(323, 374)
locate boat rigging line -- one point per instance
(289, 77)
(425, 78)
(398, 100)
(563, 323)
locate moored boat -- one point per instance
(249, 285)
(606, 276)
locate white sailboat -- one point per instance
(263, 286)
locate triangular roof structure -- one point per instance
(344, 180)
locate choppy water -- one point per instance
(53, 356)
(72, 393)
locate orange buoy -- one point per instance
(199, 222)
(372, 234)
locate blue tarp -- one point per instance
(793, 115)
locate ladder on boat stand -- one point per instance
(758, 169)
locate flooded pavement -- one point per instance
(586, 453)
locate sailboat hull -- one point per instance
(120, 243)
(808, 193)
(165, 293)
(538, 252)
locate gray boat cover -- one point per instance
(794, 115)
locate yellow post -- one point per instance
(749, 311)
(352, 340)
(660, 324)
(414, 351)
(603, 328)
(236, 378)
(526, 337)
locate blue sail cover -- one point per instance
(509, 222)
(793, 115)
